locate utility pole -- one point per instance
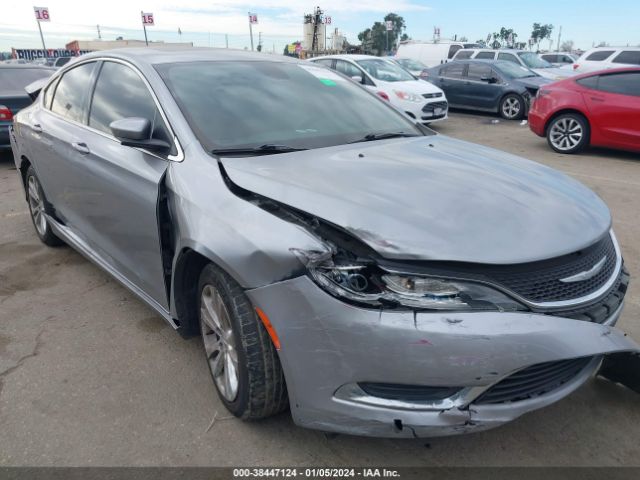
(99, 34)
(44, 48)
(251, 30)
(559, 37)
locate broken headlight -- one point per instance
(364, 282)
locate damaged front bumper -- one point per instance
(330, 349)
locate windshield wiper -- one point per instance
(267, 149)
(383, 136)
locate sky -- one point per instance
(205, 22)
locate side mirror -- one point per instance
(489, 79)
(357, 78)
(136, 132)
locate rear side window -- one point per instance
(121, 93)
(628, 56)
(589, 82)
(621, 83)
(69, 99)
(463, 54)
(550, 58)
(599, 55)
(453, 49)
(453, 70)
(48, 93)
(485, 55)
(327, 62)
(508, 57)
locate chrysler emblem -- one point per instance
(587, 274)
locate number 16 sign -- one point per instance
(42, 14)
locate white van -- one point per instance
(431, 54)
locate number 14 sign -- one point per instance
(42, 14)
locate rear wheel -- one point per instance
(243, 362)
(568, 133)
(38, 208)
(512, 107)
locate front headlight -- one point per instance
(408, 96)
(365, 282)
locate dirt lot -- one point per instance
(90, 376)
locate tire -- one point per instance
(38, 206)
(560, 137)
(512, 107)
(260, 389)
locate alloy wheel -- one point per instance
(566, 134)
(219, 342)
(36, 206)
(511, 107)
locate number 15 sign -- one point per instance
(147, 19)
(42, 14)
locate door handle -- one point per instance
(597, 99)
(37, 128)
(80, 147)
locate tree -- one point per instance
(502, 38)
(374, 39)
(541, 32)
(567, 46)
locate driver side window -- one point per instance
(121, 93)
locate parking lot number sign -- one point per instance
(42, 14)
(147, 19)
(253, 18)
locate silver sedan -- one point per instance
(335, 258)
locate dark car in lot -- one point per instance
(599, 108)
(13, 97)
(490, 86)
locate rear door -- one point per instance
(452, 81)
(615, 108)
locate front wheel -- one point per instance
(568, 133)
(512, 107)
(243, 362)
(37, 209)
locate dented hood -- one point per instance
(433, 198)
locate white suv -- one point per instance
(602, 58)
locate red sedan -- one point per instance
(598, 108)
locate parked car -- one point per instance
(421, 101)
(13, 79)
(559, 59)
(601, 108)
(414, 67)
(432, 54)
(332, 254)
(490, 86)
(524, 58)
(61, 61)
(601, 58)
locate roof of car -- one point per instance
(606, 71)
(151, 55)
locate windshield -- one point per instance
(410, 64)
(532, 60)
(385, 71)
(511, 70)
(251, 104)
(15, 79)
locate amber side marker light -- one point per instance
(270, 330)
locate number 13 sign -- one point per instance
(42, 14)
(147, 19)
